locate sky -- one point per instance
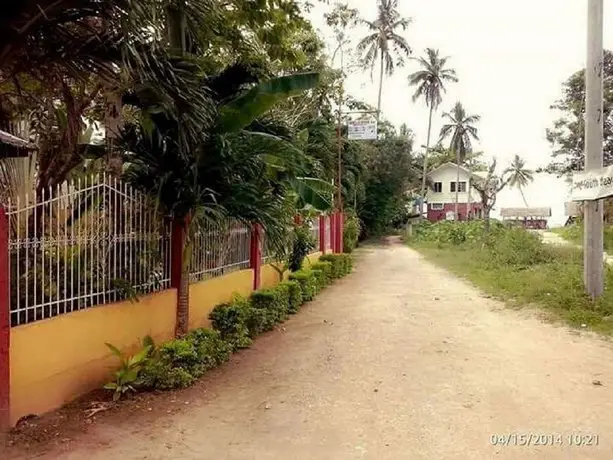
(511, 59)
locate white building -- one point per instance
(442, 192)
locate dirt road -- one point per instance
(401, 360)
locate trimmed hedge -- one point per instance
(178, 363)
(342, 264)
(326, 269)
(308, 283)
(274, 306)
(295, 295)
(233, 319)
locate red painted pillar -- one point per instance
(255, 255)
(322, 234)
(5, 325)
(332, 218)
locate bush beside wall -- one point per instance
(180, 362)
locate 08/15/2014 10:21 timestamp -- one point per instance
(544, 439)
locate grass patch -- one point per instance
(516, 265)
(574, 234)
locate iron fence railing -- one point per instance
(219, 248)
(84, 242)
(96, 240)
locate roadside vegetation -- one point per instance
(179, 363)
(574, 234)
(515, 265)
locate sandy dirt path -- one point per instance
(400, 360)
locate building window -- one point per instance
(437, 206)
(462, 187)
(438, 187)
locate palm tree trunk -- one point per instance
(457, 184)
(113, 122)
(425, 171)
(380, 88)
(523, 197)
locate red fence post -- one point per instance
(5, 326)
(255, 254)
(332, 218)
(322, 233)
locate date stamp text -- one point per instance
(513, 439)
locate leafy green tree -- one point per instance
(430, 82)
(384, 41)
(488, 189)
(390, 171)
(238, 168)
(462, 131)
(519, 176)
(567, 134)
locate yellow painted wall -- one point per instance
(203, 296)
(56, 360)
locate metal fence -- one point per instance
(96, 240)
(82, 243)
(218, 249)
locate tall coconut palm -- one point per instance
(519, 176)
(462, 131)
(430, 82)
(383, 42)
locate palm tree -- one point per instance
(198, 180)
(462, 131)
(383, 41)
(519, 176)
(430, 82)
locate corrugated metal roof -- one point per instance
(525, 212)
(7, 138)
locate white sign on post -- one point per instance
(592, 185)
(362, 130)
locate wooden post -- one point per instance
(593, 275)
(255, 255)
(322, 234)
(5, 322)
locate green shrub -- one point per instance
(320, 280)
(161, 375)
(347, 263)
(351, 232)
(294, 295)
(518, 248)
(178, 363)
(326, 268)
(339, 262)
(307, 281)
(211, 348)
(232, 320)
(273, 305)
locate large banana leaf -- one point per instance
(242, 111)
(313, 192)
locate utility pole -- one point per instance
(593, 226)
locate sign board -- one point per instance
(592, 185)
(362, 130)
(450, 215)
